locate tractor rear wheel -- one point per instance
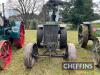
(66, 54)
(83, 35)
(30, 55)
(97, 52)
(39, 36)
(19, 42)
(5, 54)
(63, 38)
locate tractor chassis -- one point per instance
(54, 56)
(48, 53)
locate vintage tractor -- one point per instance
(90, 31)
(10, 32)
(51, 36)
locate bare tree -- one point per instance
(27, 8)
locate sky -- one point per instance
(96, 0)
(3, 1)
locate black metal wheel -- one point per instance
(66, 54)
(83, 35)
(30, 55)
(39, 36)
(63, 38)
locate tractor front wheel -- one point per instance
(5, 54)
(19, 42)
(30, 55)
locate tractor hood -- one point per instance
(52, 23)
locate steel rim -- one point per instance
(80, 36)
(5, 54)
(97, 52)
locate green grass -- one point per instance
(97, 25)
(43, 66)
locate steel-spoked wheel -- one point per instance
(5, 54)
(97, 53)
(20, 41)
(83, 35)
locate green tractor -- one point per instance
(10, 32)
(52, 37)
(90, 31)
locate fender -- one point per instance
(62, 26)
(40, 26)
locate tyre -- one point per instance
(72, 51)
(63, 38)
(5, 54)
(39, 36)
(30, 55)
(83, 35)
(19, 42)
(97, 53)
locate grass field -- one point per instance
(97, 25)
(43, 66)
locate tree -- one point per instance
(27, 8)
(77, 11)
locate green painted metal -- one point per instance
(3, 35)
(13, 30)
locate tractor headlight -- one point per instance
(15, 29)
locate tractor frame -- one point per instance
(51, 37)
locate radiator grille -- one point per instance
(51, 34)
